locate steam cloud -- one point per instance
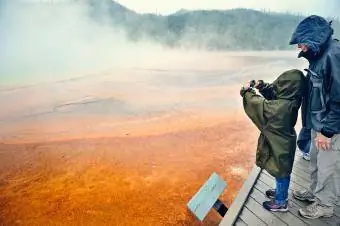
(48, 40)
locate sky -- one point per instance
(328, 8)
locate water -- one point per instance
(129, 145)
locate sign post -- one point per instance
(207, 198)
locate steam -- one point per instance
(329, 8)
(41, 41)
(50, 40)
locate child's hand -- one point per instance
(258, 84)
(246, 86)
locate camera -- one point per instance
(252, 83)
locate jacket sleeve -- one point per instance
(266, 90)
(305, 104)
(331, 122)
(254, 107)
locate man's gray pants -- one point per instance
(325, 171)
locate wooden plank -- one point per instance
(240, 222)
(305, 166)
(299, 160)
(305, 181)
(287, 217)
(202, 202)
(250, 218)
(300, 203)
(241, 198)
(271, 180)
(305, 184)
(294, 179)
(268, 180)
(265, 180)
(302, 174)
(303, 163)
(300, 168)
(293, 207)
(337, 211)
(264, 215)
(304, 204)
(252, 212)
(335, 220)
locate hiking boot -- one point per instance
(304, 195)
(270, 193)
(311, 206)
(316, 210)
(273, 206)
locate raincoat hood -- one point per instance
(314, 31)
(290, 85)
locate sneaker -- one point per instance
(304, 195)
(316, 210)
(311, 206)
(274, 207)
(271, 193)
(306, 156)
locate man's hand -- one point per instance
(322, 142)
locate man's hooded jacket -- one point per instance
(321, 104)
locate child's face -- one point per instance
(303, 47)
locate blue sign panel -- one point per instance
(204, 199)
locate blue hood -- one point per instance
(313, 31)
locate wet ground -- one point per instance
(128, 146)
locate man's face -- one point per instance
(303, 47)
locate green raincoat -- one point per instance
(275, 115)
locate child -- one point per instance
(275, 115)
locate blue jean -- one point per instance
(281, 193)
(304, 140)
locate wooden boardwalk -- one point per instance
(247, 207)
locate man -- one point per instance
(313, 36)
